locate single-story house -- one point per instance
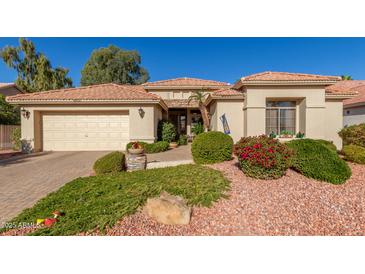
(8, 89)
(108, 116)
(353, 108)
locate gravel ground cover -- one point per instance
(291, 205)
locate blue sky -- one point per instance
(222, 59)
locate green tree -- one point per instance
(346, 77)
(114, 65)
(35, 72)
(200, 97)
(9, 115)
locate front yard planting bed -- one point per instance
(98, 202)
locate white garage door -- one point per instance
(80, 132)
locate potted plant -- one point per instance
(286, 134)
(169, 134)
(300, 135)
(136, 148)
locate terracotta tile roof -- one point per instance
(347, 87)
(226, 92)
(89, 93)
(181, 103)
(185, 81)
(287, 76)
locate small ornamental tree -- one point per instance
(263, 157)
(168, 132)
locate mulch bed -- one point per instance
(291, 205)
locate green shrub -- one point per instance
(354, 153)
(212, 147)
(263, 157)
(168, 132)
(327, 144)
(183, 140)
(353, 135)
(317, 161)
(197, 129)
(112, 162)
(152, 148)
(15, 138)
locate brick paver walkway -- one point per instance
(177, 154)
(25, 181)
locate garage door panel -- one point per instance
(63, 132)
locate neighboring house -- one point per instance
(8, 89)
(108, 116)
(354, 108)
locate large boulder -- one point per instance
(168, 209)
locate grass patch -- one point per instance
(102, 200)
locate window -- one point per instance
(280, 117)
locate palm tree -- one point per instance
(200, 97)
(346, 77)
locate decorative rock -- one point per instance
(136, 162)
(168, 209)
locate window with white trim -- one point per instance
(280, 117)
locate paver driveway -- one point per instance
(25, 181)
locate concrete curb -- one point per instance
(167, 164)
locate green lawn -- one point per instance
(101, 201)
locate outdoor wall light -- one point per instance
(141, 112)
(25, 113)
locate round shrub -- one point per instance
(327, 144)
(263, 157)
(152, 148)
(212, 147)
(353, 135)
(354, 153)
(112, 162)
(317, 161)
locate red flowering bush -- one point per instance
(263, 157)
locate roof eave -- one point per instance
(241, 83)
(212, 87)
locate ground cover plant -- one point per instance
(317, 161)
(110, 163)
(354, 153)
(212, 147)
(327, 144)
(263, 157)
(159, 146)
(100, 201)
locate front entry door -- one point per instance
(178, 118)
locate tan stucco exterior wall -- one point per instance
(234, 114)
(317, 118)
(333, 121)
(141, 129)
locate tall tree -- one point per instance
(9, 114)
(35, 72)
(346, 77)
(114, 65)
(200, 97)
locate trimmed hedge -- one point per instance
(263, 157)
(327, 144)
(354, 153)
(317, 161)
(152, 148)
(353, 135)
(110, 163)
(212, 147)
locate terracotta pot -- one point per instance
(173, 145)
(135, 150)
